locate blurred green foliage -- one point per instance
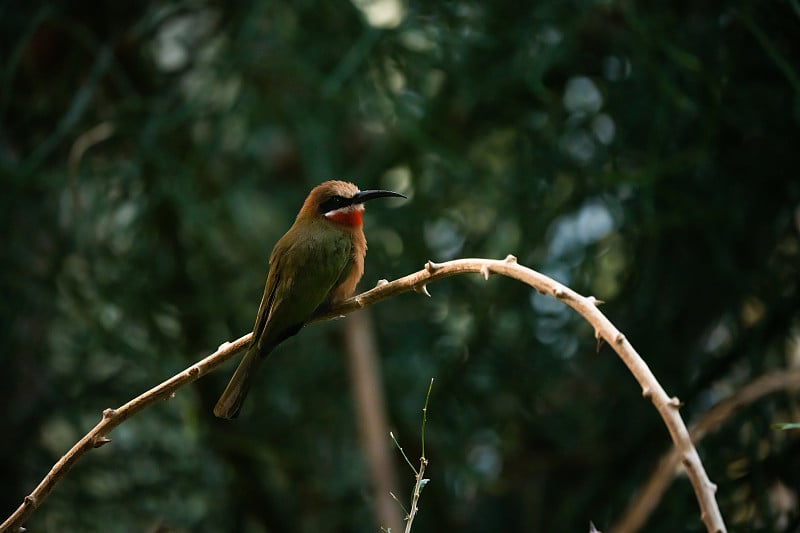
(152, 152)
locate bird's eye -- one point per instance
(333, 203)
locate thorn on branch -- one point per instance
(675, 402)
(432, 267)
(422, 289)
(100, 441)
(382, 282)
(600, 340)
(510, 259)
(109, 413)
(223, 346)
(485, 272)
(595, 301)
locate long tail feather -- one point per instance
(230, 403)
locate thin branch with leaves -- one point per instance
(419, 474)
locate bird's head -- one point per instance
(340, 202)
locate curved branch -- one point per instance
(587, 307)
(111, 419)
(665, 471)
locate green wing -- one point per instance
(304, 267)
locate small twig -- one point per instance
(419, 474)
(403, 507)
(408, 461)
(667, 407)
(418, 486)
(423, 462)
(425, 416)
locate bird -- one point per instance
(316, 264)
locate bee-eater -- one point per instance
(316, 264)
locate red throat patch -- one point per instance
(346, 218)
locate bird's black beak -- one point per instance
(363, 196)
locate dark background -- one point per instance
(151, 153)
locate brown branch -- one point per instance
(662, 475)
(98, 436)
(371, 415)
(587, 307)
(416, 493)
